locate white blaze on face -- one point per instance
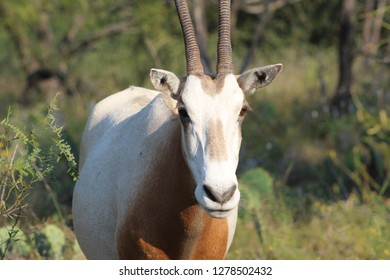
(211, 113)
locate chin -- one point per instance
(216, 210)
(218, 214)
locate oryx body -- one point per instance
(157, 168)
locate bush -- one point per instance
(367, 164)
(29, 158)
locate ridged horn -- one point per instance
(194, 64)
(225, 61)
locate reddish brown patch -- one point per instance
(151, 252)
(207, 237)
(213, 241)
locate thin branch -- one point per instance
(202, 33)
(3, 186)
(251, 7)
(11, 234)
(11, 210)
(107, 32)
(373, 18)
(51, 193)
(263, 20)
(19, 40)
(234, 16)
(70, 37)
(368, 54)
(45, 38)
(153, 52)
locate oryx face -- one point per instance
(211, 110)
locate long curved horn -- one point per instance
(194, 64)
(225, 61)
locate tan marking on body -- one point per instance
(212, 85)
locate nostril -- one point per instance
(220, 198)
(228, 195)
(209, 193)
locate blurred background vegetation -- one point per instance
(315, 160)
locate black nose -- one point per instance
(217, 197)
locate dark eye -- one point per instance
(243, 111)
(184, 117)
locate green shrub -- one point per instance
(28, 158)
(367, 164)
(13, 240)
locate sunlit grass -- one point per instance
(345, 229)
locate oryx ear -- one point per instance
(259, 77)
(166, 82)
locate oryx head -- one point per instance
(211, 109)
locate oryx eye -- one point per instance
(243, 112)
(184, 117)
